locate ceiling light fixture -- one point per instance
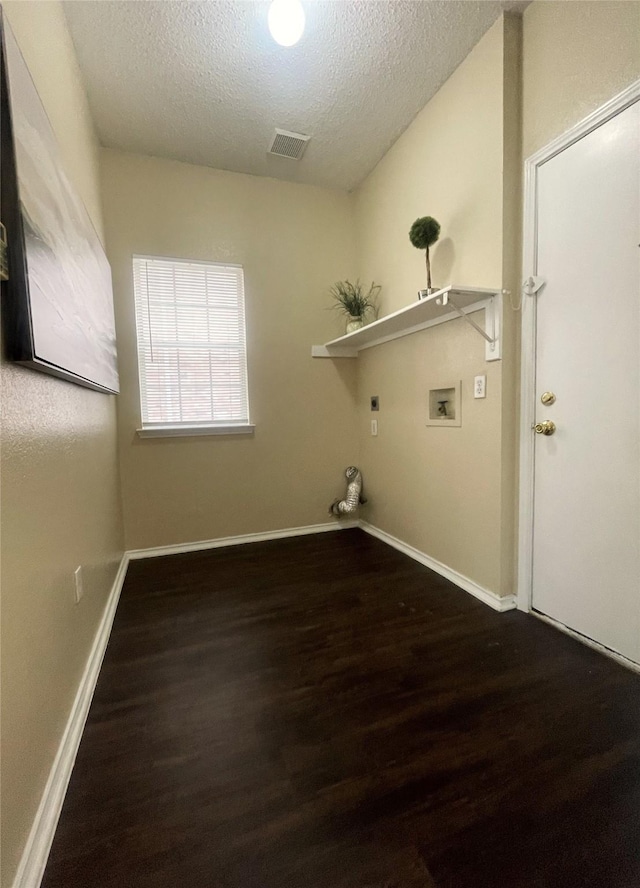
(286, 21)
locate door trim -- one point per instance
(528, 330)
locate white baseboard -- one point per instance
(36, 851)
(221, 542)
(34, 857)
(485, 595)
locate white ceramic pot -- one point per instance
(353, 324)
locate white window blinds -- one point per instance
(191, 342)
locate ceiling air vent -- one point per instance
(286, 144)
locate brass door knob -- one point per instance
(545, 428)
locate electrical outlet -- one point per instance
(480, 387)
(79, 585)
(374, 427)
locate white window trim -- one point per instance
(186, 430)
(191, 431)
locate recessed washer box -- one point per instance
(445, 406)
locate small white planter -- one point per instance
(353, 324)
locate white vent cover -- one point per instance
(286, 144)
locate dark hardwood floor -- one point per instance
(323, 712)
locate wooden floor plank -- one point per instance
(323, 712)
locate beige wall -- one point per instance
(437, 489)
(576, 56)
(511, 279)
(461, 161)
(293, 241)
(441, 490)
(447, 164)
(60, 498)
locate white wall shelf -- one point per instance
(422, 314)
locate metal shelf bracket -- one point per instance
(492, 323)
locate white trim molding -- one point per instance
(528, 339)
(189, 431)
(498, 603)
(36, 851)
(221, 542)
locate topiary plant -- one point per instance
(423, 234)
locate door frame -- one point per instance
(528, 401)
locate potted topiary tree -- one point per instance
(354, 302)
(424, 232)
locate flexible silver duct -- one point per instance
(354, 496)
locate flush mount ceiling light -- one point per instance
(286, 21)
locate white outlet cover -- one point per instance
(480, 387)
(79, 586)
(374, 427)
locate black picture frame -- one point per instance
(85, 352)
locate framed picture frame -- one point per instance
(57, 303)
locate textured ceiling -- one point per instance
(204, 82)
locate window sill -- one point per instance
(187, 431)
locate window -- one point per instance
(192, 355)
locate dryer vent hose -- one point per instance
(353, 498)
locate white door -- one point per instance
(586, 509)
